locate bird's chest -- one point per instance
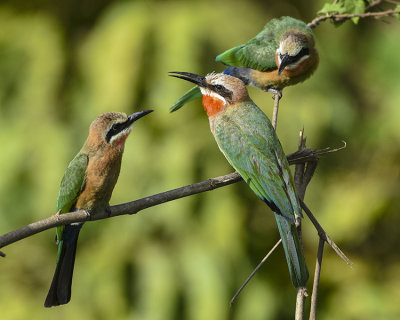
(101, 176)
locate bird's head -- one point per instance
(112, 128)
(296, 48)
(219, 90)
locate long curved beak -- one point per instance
(136, 116)
(192, 77)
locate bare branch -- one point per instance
(275, 110)
(137, 205)
(323, 235)
(300, 301)
(318, 264)
(348, 16)
(254, 271)
(302, 176)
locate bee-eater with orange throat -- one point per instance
(247, 139)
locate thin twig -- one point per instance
(323, 235)
(347, 16)
(275, 111)
(254, 271)
(373, 3)
(317, 274)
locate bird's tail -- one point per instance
(60, 289)
(190, 95)
(293, 251)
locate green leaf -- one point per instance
(397, 8)
(330, 8)
(354, 7)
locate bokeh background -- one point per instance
(64, 62)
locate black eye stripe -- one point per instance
(221, 90)
(115, 129)
(292, 59)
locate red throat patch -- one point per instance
(212, 105)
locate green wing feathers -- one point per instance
(190, 95)
(72, 183)
(232, 57)
(259, 52)
(248, 140)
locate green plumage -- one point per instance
(71, 187)
(190, 95)
(247, 139)
(72, 184)
(259, 52)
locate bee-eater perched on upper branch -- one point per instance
(247, 139)
(281, 55)
(87, 185)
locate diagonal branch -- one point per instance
(137, 205)
(323, 235)
(254, 271)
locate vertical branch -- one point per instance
(277, 97)
(300, 302)
(302, 176)
(314, 296)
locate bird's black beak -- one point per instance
(285, 61)
(137, 115)
(192, 77)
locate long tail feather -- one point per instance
(190, 95)
(60, 289)
(293, 251)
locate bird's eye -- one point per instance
(219, 87)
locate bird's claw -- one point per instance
(275, 92)
(87, 214)
(108, 211)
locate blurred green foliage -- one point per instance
(63, 64)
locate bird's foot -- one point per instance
(87, 214)
(275, 92)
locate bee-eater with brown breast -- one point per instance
(281, 55)
(87, 185)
